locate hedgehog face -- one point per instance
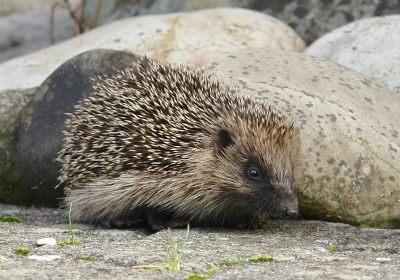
(258, 174)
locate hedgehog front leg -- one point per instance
(122, 223)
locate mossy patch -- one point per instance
(210, 272)
(262, 259)
(22, 252)
(10, 219)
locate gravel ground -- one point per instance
(301, 249)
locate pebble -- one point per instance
(46, 241)
(48, 258)
(383, 260)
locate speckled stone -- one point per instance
(370, 46)
(13, 188)
(349, 129)
(192, 38)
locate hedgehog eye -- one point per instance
(253, 173)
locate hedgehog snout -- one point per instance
(290, 212)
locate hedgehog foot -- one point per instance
(122, 223)
(157, 221)
(258, 224)
(251, 225)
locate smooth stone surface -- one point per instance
(13, 188)
(191, 38)
(370, 46)
(40, 136)
(23, 33)
(349, 130)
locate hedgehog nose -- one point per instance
(290, 214)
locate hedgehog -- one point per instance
(167, 145)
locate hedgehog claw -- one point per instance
(251, 225)
(105, 224)
(155, 220)
(258, 224)
(158, 221)
(123, 223)
(240, 225)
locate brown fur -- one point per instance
(179, 143)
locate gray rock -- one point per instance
(40, 135)
(23, 33)
(303, 249)
(369, 46)
(13, 189)
(168, 37)
(349, 129)
(311, 19)
(23, 6)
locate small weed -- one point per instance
(68, 243)
(262, 259)
(72, 231)
(86, 258)
(373, 224)
(333, 249)
(233, 261)
(364, 226)
(148, 267)
(212, 269)
(197, 277)
(210, 272)
(22, 251)
(173, 261)
(10, 219)
(174, 257)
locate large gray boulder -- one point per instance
(370, 46)
(349, 128)
(310, 19)
(13, 188)
(192, 38)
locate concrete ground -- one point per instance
(300, 249)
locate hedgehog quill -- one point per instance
(166, 145)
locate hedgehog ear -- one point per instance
(222, 141)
